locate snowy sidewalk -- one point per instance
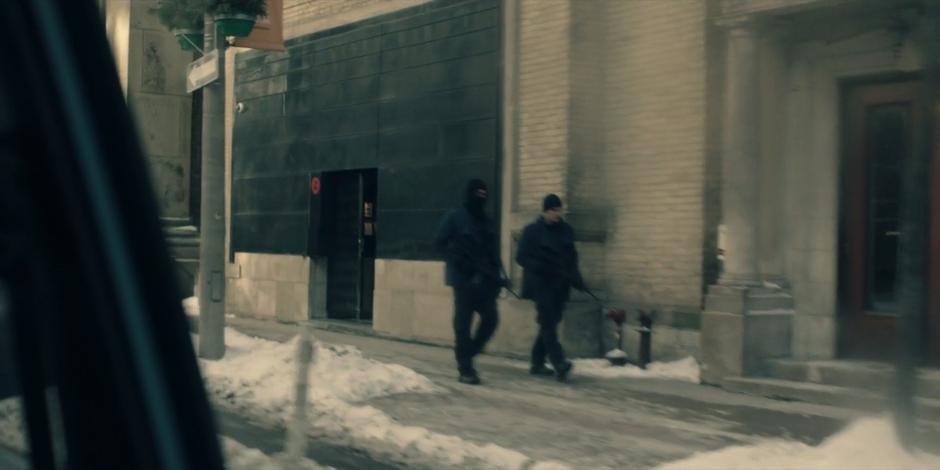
(591, 422)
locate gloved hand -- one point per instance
(578, 283)
(505, 283)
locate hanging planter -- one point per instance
(189, 39)
(237, 25)
(185, 19)
(236, 17)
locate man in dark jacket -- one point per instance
(550, 262)
(468, 242)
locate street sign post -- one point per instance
(202, 71)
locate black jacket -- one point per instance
(548, 256)
(470, 246)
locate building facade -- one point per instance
(152, 70)
(731, 167)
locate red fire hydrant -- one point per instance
(618, 316)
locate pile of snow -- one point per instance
(12, 430)
(550, 465)
(240, 457)
(616, 354)
(258, 375)
(684, 369)
(869, 443)
(237, 456)
(191, 306)
(262, 373)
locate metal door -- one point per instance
(344, 290)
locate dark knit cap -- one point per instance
(551, 202)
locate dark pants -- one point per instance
(466, 301)
(550, 311)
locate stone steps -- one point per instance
(871, 376)
(769, 300)
(182, 240)
(928, 409)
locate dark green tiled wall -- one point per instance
(414, 94)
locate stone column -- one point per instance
(740, 147)
(733, 341)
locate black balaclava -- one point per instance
(473, 202)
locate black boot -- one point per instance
(563, 371)
(541, 370)
(469, 378)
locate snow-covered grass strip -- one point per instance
(262, 372)
(257, 375)
(869, 443)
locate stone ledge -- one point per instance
(928, 408)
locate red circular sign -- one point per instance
(315, 185)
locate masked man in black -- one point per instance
(468, 241)
(550, 262)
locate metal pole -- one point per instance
(212, 217)
(913, 238)
(297, 434)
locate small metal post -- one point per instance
(297, 434)
(646, 331)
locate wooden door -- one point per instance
(880, 122)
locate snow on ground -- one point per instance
(191, 306)
(869, 443)
(240, 457)
(237, 456)
(12, 432)
(686, 370)
(550, 465)
(263, 373)
(258, 375)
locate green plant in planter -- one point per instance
(181, 14)
(226, 8)
(185, 18)
(236, 17)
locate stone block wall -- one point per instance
(412, 302)
(156, 94)
(274, 287)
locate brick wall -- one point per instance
(656, 142)
(733, 7)
(544, 101)
(585, 183)
(302, 17)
